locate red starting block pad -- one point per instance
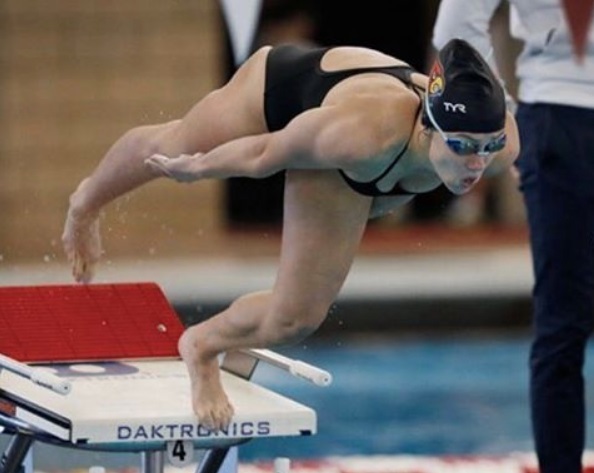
(116, 344)
(87, 322)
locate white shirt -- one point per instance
(547, 69)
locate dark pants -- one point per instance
(557, 181)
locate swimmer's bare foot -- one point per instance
(209, 401)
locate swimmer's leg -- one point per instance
(323, 224)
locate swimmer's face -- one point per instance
(460, 159)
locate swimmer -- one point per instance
(358, 133)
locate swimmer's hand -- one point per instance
(184, 168)
(81, 241)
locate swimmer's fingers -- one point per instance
(158, 163)
(82, 245)
(184, 168)
(83, 270)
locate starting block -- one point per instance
(96, 367)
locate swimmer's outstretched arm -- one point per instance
(322, 138)
(121, 170)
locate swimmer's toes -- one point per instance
(206, 420)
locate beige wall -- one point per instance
(74, 76)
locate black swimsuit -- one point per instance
(295, 82)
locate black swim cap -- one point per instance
(463, 92)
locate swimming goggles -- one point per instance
(465, 146)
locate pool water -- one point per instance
(434, 396)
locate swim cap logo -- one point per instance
(437, 86)
(454, 107)
(436, 79)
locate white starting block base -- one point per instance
(140, 405)
(143, 406)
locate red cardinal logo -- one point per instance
(436, 79)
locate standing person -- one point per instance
(357, 135)
(556, 121)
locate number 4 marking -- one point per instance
(180, 452)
